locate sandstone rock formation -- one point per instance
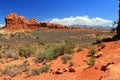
(19, 22)
(53, 26)
(14, 22)
(75, 27)
(33, 24)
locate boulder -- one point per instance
(71, 69)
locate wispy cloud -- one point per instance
(82, 20)
(1, 25)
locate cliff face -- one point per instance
(118, 27)
(14, 22)
(53, 26)
(19, 22)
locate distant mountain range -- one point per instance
(96, 27)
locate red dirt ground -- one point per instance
(110, 54)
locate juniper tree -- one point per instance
(118, 26)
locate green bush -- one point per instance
(101, 46)
(35, 72)
(49, 54)
(14, 70)
(70, 44)
(26, 51)
(91, 61)
(54, 51)
(79, 49)
(92, 51)
(65, 59)
(43, 57)
(1, 55)
(12, 35)
(65, 49)
(71, 64)
(45, 69)
(41, 42)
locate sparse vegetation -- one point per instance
(45, 68)
(55, 51)
(92, 51)
(14, 70)
(101, 46)
(65, 59)
(34, 46)
(71, 64)
(26, 51)
(91, 61)
(79, 49)
(35, 72)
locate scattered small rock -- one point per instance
(58, 68)
(96, 68)
(58, 72)
(71, 70)
(65, 69)
(104, 68)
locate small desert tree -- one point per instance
(118, 26)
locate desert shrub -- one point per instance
(70, 44)
(14, 70)
(16, 57)
(41, 42)
(53, 52)
(40, 57)
(71, 64)
(37, 37)
(101, 46)
(45, 68)
(8, 54)
(43, 57)
(22, 68)
(98, 41)
(35, 71)
(65, 59)
(12, 35)
(92, 51)
(1, 34)
(91, 61)
(26, 51)
(11, 72)
(79, 49)
(49, 54)
(1, 55)
(66, 49)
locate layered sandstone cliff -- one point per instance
(19, 22)
(14, 22)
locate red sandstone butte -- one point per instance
(19, 22)
(14, 22)
(53, 26)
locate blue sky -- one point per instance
(61, 10)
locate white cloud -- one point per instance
(1, 25)
(82, 20)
